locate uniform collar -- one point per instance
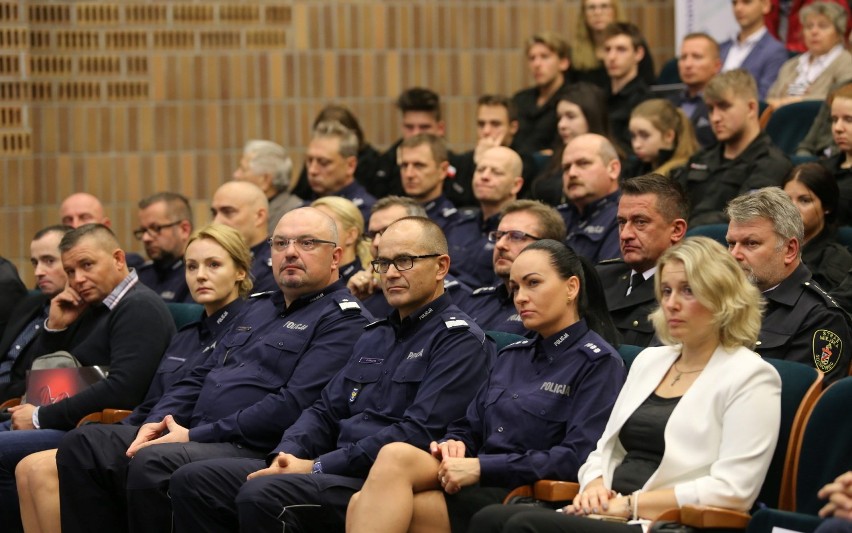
(306, 299)
(114, 297)
(787, 292)
(421, 315)
(222, 317)
(559, 342)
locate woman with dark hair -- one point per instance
(367, 155)
(538, 415)
(581, 108)
(815, 194)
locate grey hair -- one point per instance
(268, 157)
(834, 12)
(774, 205)
(412, 208)
(333, 128)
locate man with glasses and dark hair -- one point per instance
(243, 206)
(282, 350)
(165, 223)
(522, 222)
(365, 285)
(409, 376)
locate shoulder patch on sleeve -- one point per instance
(827, 349)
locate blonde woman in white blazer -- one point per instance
(712, 404)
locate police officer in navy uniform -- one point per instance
(801, 321)
(496, 182)
(539, 415)
(365, 285)
(652, 214)
(280, 353)
(331, 161)
(590, 182)
(165, 222)
(410, 375)
(522, 222)
(243, 206)
(423, 167)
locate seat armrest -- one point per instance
(555, 491)
(107, 416)
(524, 491)
(713, 517)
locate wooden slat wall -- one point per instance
(125, 98)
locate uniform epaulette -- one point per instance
(592, 350)
(451, 284)
(815, 288)
(348, 304)
(376, 323)
(484, 290)
(516, 344)
(448, 211)
(613, 261)
(261, 294)
(453, 322)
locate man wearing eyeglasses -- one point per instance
(282, 350)
(409, 376)
(165, 223)
(522, 222)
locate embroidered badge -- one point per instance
(827, 348)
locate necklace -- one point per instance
(680, 373)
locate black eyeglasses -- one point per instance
(279, 244)
(370, 235)
(513, 235)
(153, 230)
(403, 262)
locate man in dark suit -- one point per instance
(652, 214)
(11, 291)
(27, 317)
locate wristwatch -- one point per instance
(317, 468)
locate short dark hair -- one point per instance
(103, 234)
(56, 228)
(625, 28)
(420, 99)
(550, 222)
(437, 145)
(493, 100)
(177, 206)
(672, 201)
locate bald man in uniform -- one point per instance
(243, 206)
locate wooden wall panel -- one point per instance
(128, 97)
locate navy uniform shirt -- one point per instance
(442, 212)
(594, 233)
(543, 408)
(261, 268)
(629, 312)
(405, 382)
(267, 369)
(350, 269)
(379, 307)
(169, 281)
(358, 195)
(803, 323)
(189, 349)
(471, 254)
(494, 309)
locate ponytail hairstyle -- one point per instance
(591, 301)
(665, 116)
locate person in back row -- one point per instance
(267, 165)
(165, 223)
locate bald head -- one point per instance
(497, 179)
(82, 208)
(243, 206)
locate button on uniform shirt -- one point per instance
(594, 232)
(167, 280)
(193, 345)
(405, 382)
(271, 365)
(494, 309)
(544, 407)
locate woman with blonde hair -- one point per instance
(662, 137)
(675, 436)
(587, 46)
(350, 227)
(217, 266)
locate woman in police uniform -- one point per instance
(217, 265)
(538, 415)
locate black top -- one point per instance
(844, 183)
(536, 124)
(11, 291)
(643, 436)
(620, 105)
(828, 260)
